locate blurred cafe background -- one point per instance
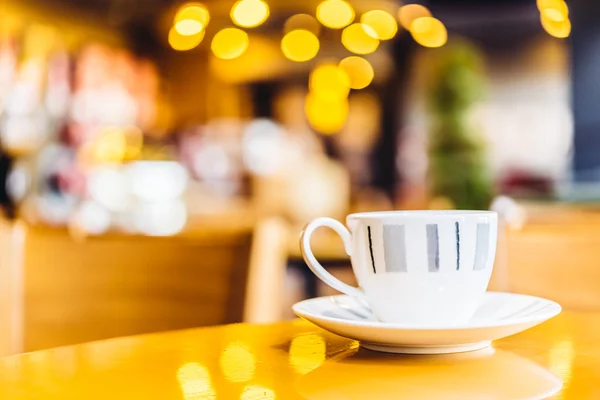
(158, 158)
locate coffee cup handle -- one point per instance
(315, 266)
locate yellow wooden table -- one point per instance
(296, 360)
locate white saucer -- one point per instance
(500, 315)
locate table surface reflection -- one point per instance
(297, 360)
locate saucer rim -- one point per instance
(541, 316)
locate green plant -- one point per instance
(457, 158)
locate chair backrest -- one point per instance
(120, 285)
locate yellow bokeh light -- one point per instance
(302, 21)
(360, 39)
(110, 146)
(181, 42)
(554, 10)
(329, 80)
(358, 70)
(195, 382)
(326, 115)
(300, 45)
(408, 13)
(255, 392)
(381, 22)
(249, 13)
(188, 27)
(335, 14)
(307, 352)
(429, 32)
(558, 29)
(237, 363)
(193, 12)
(229, 43)
(134, 141)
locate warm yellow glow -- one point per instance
(110, 146)
(429, 32)
(335, 14)
(408, 13)
(329, 80)
(554, 10)
(356, 39)
(381, 22)
(300, 45)
(237, 363)
(134, 140)
(359, 70)
(558, 29)
(188, 27)
(194, 12)
(302, 21)
(255, 392)
(195, 382)
(249, 13)
(229, 43)
(181, 42)
(326, 115)
(307, 352)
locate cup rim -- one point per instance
(423, 214)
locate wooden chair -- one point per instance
(64, 292)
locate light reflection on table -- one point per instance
(296, 360)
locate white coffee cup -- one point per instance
(429, 268)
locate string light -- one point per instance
(326, 114)
(360, 39)
(335, 14)
(553, 10)
(358, 70)
(181, 42)
(249, 13)
(229, 43)
(329, 80)
(191, 17)
(429, 32)
(381, 22)
(300, 45)
(408, 13)
(558, 29)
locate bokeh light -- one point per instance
(381, 22)
(229, 43)
(356, 39)
(429, 32)
(181, 42)
(249, 13)
(188, 27)
(335, 14)
(300, 45)
(408, 13)
(326, 114)
(192, 12)
(329, 80)
(157, 180)
(302, 21)
(110, 146)
(558, 29)
(553, 10)
(358, 70)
